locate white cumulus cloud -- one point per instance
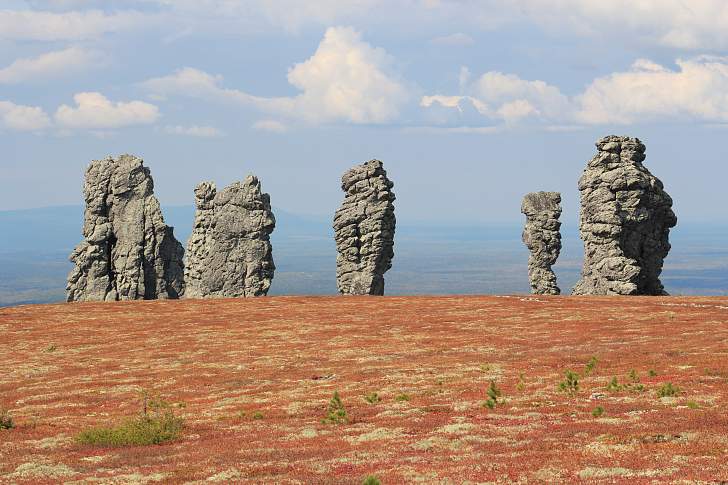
(651, 92)
(95, 111)
(506, 98)
(22, 118)
(693, 24)
(346, 79)
(695, 91)
(50, 64)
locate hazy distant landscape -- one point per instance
(430, 258)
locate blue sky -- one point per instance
(470, 104)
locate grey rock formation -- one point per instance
(364, 230)
(229, 253)
(542, 237)
(625, 222)
(128, 252)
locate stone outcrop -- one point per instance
(625, 221)
(229, 253)
(128, 252)
(364, 230)
(542, 237)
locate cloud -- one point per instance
(454, 40)
(47, 65)
(681, 24)
(290, 15)
(346, 79)
(506, 98)
(194, 130)
(22, 118)
(74, 25)
(650, 92)
(295, 15)
(646, 92)
(694, 24)
(95, 111)
(272, 126)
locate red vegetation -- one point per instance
(69, 367)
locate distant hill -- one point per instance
(430, 258)
(59, 228)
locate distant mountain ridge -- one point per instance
(430, 257)
(59, 227)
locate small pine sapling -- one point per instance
(570, 384)
(493, 395)
(336, 413)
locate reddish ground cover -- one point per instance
(70, 367)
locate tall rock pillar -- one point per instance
(542, 236)
(229, 253)
(364, 230)
(128, 252)
(625, 221)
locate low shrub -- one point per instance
(667, 390)
(614, 385)
(570, 384)
(372, 480)
(157, 424)
(590, 366)
(597, 411)
(6, 420)
(372, 398)
(521, 382)
(493, 395)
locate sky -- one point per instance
(469, 104)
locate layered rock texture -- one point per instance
(229, 253)
(364, 230)
(625, 220)
(542, 236)
(128, 252)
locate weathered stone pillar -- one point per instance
(364, 230)
(128, 252)
(229, 253)
(625, 222)
(542, 237)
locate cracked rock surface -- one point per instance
(364, 230)
(229, 253)
(128, 252)
(625, 221)
(542, 237)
